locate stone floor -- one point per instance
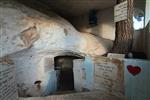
(78, 96)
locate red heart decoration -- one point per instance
(134, 70)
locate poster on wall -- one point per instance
(8, 89)
(137, 79)
(109, 75)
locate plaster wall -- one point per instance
(147, 32)
(126, 77)
(136, 76)
(101, 74)
(147, 28)
(105, 27)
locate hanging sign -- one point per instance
(120, 12)
(116, 56)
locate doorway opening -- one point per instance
(64, 70)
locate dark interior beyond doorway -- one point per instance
(64, 69)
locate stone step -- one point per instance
(97, 95)
(64, 92)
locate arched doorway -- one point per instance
(64, 69)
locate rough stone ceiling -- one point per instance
(73, 7)
(78, 7)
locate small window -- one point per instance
(138, 22)
(138, 19)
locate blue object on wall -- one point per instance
(93, 18)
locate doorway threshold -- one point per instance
(94, 95)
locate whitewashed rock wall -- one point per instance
(23, 28)
(31, 40)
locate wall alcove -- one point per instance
(63, 65)
(64, 69)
